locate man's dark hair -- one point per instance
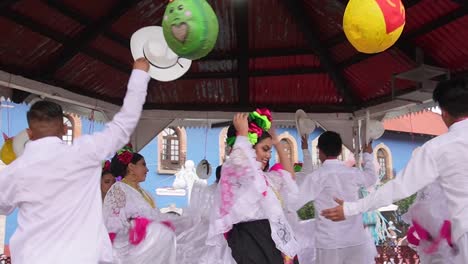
(45, 111)
(330, 143)
(452, 96)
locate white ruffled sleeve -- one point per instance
(114, 210)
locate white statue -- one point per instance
(187, 177)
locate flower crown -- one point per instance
(125, 154)
(259, 121)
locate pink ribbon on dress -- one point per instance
(112, 237)
(137, 233)
(445, 234)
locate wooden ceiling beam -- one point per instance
(279, 108)
(297, 10)
(241, 11)
(76, 45)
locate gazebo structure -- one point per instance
(279, 54)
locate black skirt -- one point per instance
(251, 243)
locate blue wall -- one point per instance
(400, 144)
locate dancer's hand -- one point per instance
(141, 64)
(241, 124)
(336, 213)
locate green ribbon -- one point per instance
(261, 120)
(230, 141)
(297, 168)
(253, 138)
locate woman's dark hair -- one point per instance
(106, 172)
(330, 143)
(218, 173)
(452, 96)
(118, 168)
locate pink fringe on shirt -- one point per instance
(276, 167)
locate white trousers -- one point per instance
(361, 254)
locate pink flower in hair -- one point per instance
(254, 128)
(125, 157)
(264, 111)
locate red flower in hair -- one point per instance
(254, 128)
(106, 166)
(125, 157)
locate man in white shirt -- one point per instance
(57, 186)
(345, 242)
(443, 159)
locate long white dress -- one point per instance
(430, 211)
(191, 242)
(245, 194)
(123, 203)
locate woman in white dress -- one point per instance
(430, 231)
(249, 209)
(138, 233)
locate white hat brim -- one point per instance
(374, 130)
(137, 42)
(300, 114)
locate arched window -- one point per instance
(172, 150)
(382, 159)
(287, 148)
(289, 145)
(383, 155)
(68, 137)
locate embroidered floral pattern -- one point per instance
(233, 178)
(283, 232)
(246, 193)
(116, 199)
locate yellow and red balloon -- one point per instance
(373, 26)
